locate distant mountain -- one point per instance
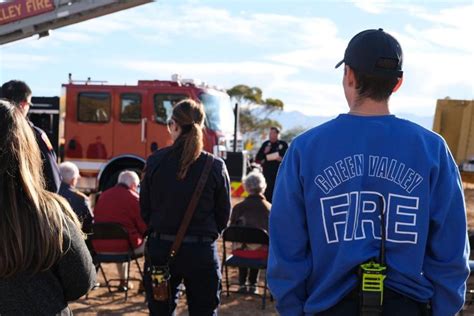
(294, 119)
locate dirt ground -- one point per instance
(101, 302)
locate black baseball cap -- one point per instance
(374, 52)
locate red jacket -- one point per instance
(120, 205)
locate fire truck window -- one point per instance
(130, 108)
(93, 107)
(164, 105)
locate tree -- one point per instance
(254, 110)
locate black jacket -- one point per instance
(50, 165)
(79, 203)
(270, 168)
(164, 199)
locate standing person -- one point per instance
(19, 93)
(44, 261)
(172, 174)
(269, 156)
(120, 204)
(79, 201)
(365, 192)
(251, 212)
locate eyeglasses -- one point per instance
(170, 122)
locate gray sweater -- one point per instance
(47, 293)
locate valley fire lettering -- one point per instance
(356, 215)
(375, 166)
(16, 10)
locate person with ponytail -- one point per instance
(171, 176)
(44, 261)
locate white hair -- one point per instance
(128, 178)
(255, 182)
(68, 171)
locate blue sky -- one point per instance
(287, 48)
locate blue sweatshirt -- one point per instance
(325, 217)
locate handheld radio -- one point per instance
(372, 275)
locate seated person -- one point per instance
(79, 201)
(252, 212)
(120, 205)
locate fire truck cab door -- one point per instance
(130, 127)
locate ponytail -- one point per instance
(189, 114)
(193, 145)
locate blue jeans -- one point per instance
(197, 266)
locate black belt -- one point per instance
(387, 294)
(187, 238)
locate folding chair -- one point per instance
(112, 231)
(247, 235)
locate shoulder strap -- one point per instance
(191, 207)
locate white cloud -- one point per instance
(15, 61)
(371, 6)
(162, 23)
(104, 25)
(208, 69)
(57, 38)
(458, 16)
(439, 58)
(418, 105)
(71, 36)
(430, 68)
(431, 73)
(289, 31)
(317, 45)
(321, 58)
(451, 28)
(193, 21)
(384, 6)
(310, 98)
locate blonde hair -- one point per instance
(32, 220)
(189, 115)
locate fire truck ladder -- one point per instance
(20, 19)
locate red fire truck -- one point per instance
(109, 128)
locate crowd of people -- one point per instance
(365, 196)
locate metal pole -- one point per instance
(236, 124)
